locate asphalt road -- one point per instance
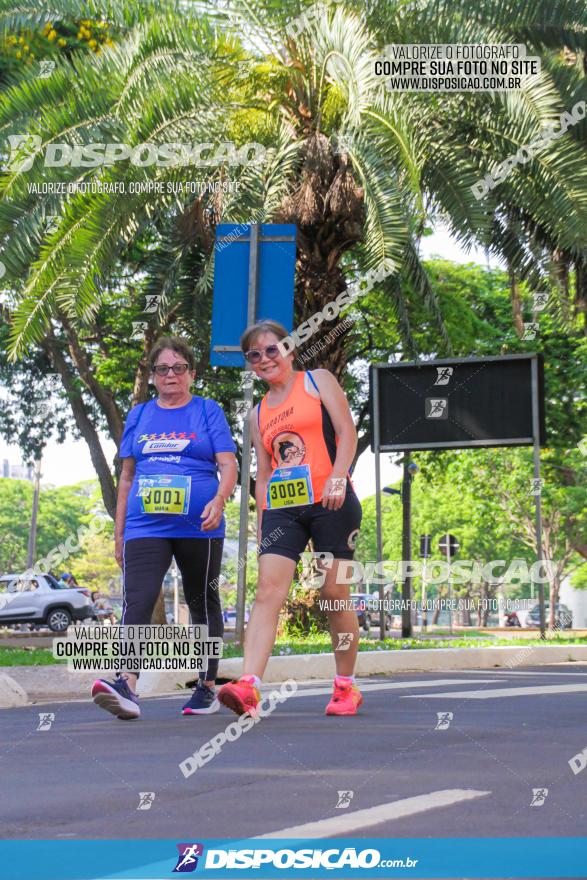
(474, 777)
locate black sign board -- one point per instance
(425, 546)
(448, 546)
(458, 403)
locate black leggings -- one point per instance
(145, 562)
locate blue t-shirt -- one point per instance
(176, 473)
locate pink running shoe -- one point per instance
(346, 698)
(241, 696)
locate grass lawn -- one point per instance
(319, 643)
(316, 643)
(26, 657)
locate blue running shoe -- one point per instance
(116, 697)
(202, 701)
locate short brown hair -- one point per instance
(255, 330)
(176, 344)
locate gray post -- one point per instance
(175, 576)
(407, 549)
(449, 561)
(243, 531)
(32, 545)
(378, 499)
(537, 501)
(424, 611)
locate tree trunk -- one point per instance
(466, 611)
(84, 424)
(141, 386)
(159, 616)
(555, 585)
(328, 210)
(103, 396)
(516, 304)
(580, 306)
(560, 272)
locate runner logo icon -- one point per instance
(187, 860)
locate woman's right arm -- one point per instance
(126, 478)
(264, 469)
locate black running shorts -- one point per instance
(286, 532)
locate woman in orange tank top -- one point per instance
(305, 440)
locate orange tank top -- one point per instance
(299, 431)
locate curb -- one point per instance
(303, 667)
(11, 693)
(28, 684)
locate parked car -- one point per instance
(562, 615)
(368, 611)
(38, 599)
(363, 605)
(230, 618)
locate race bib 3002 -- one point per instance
(290, 487)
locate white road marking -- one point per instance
(386, 686)
(516, 672)
(494, 693)
(346, 823)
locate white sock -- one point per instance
(350, 678)
(256, 680)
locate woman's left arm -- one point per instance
(212, 513)
(334, 399)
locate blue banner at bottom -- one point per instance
(456, 858)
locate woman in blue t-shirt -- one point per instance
(178, 469)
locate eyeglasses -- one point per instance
(255, 355)
(163, 369)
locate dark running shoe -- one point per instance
(116, 697)
(202, 701)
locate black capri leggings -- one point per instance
(145, 561)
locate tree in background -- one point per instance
(61, 511)
(360, 170)
(95, 566)
(483, 498)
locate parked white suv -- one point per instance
(26, 598)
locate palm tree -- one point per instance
(359, 169)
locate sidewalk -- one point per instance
(22, 685)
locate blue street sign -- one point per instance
(275, 272)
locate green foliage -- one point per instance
(94, 566)
(27, 657)
(483, 498)
(60, 515)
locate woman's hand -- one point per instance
(212, 514)
(118, 549)
(334, 492)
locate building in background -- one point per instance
(576, 601)
(17, 471)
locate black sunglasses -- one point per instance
(179, 369)
(255, 355)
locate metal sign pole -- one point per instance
(378, 499)
(537, 487)
(175, 576)
(32, 543)
(424, 609)
(243, 531)
(449, 559)
(407, 549)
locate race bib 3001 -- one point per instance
(165, 493)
